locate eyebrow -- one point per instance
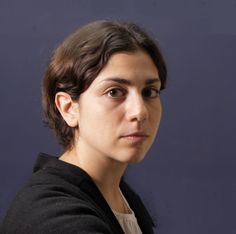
(128, 82)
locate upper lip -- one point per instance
(138, 134)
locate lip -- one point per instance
(136, 137)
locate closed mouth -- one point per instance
(135, 137)
(136, 134)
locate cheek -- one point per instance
(155, 112)
(99, 118)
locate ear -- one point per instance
(68, 108)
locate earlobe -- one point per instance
(68, 108)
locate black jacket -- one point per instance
(62, 198)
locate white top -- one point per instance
(128, 222)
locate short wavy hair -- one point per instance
(81, 56)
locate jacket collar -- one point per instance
(86, 184)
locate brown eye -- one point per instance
(115, 93)
(150, 92)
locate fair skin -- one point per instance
(116, 121)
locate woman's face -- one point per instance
(119, 114)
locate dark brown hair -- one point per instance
(79, 59)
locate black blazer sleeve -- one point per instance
(46, 210)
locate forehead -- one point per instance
(133, 66)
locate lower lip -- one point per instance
(135, 139)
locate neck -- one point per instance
(105, 172)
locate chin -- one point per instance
(137, 159)
(132, 158)
(129, 155)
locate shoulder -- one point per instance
(50, 203)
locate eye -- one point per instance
(151, 92)
(116, 93)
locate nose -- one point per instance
(136, 108)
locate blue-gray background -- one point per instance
(188, 179)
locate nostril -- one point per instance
(140, 115)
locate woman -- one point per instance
(101, 96)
